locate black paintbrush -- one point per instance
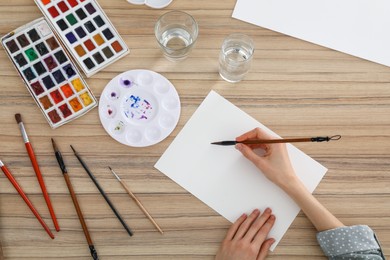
(288, 140)
(102, 191)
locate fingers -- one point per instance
(265, 248)
(256, 133)
(257, 225)
(233, 229)
(244, 227)
(243, 239)
(265, 229)
(250, 154)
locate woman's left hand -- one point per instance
(247, 237)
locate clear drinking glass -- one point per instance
(235, 57)
(176, 33)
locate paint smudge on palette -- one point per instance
(86, 31)
(110, 111)
(137, 108)
(118, 127)
(127, 82)
(114, 95)
(49, 74)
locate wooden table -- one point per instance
(294, 87)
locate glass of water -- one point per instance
(176, 33)
(235, 57)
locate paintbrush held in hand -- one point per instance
(38, 173)
(287, 140)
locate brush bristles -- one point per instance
(74, 151)
(18, 118)
(54, 145)
(116, 176)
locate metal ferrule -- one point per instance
(1, 164)
(24, 133)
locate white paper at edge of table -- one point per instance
(220, 176)
(357, 27)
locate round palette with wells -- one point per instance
(151, 3)
(139, 108)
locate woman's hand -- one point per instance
(276, 166)
(274, 163)
(247, 237)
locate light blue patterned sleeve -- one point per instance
(353, 242)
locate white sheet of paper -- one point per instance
(220, 176)
(356, 27)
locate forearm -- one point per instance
(321, 218)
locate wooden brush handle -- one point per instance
(78, 210)
(141, 206)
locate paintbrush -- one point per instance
(38, 173)
(287, 140)
(136, 200)
(74, 199)
(1, 252)
(25, 198)
(102, 192)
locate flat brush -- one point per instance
(136, 200)
(94, 180)
(287, 140)
(38, 173)
(74, 199)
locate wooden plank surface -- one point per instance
(294, 87)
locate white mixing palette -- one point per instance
(139, 108)
(151, 3)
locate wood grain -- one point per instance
(294, 87)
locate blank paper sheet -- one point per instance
(220, 176)
(356, 27)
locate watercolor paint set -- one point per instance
(48, 72)
(86, 31)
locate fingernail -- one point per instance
(267, 210)
(272, 217)
(254, 212)
(243, 215)
(238, 147)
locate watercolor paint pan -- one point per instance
(48, 73)
(86, 31)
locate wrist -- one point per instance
(291, 185)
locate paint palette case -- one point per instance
(139, 108)
(49, 74)
(86, 32)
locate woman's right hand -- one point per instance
(274, 163)
(276, 166)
